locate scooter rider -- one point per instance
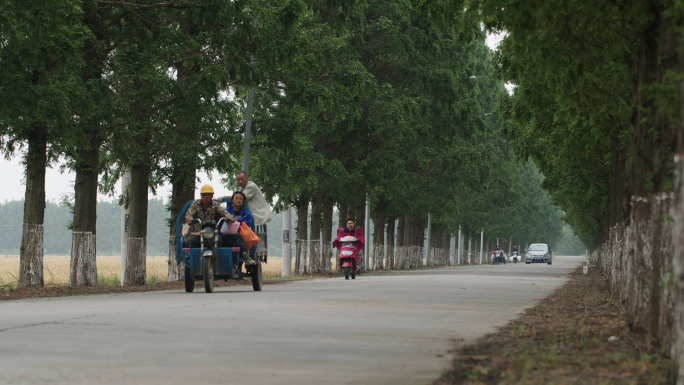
(351, 228)
(204, 209)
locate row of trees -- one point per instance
(388, 105)
(58, 237)
(126, 86)
(598, 108)
(353, 99)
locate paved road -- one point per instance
(387, 329)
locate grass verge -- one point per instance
(577, 335)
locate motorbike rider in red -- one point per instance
(350, 230)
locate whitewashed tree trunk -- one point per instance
(176, 272)
(301, 257)
(336, 257)
(637, 262)
(411, 257)
(678, 239)
(136, 270)
(378, 255)
(315, 256)
(389, 260)
(399, 263)
(31, 253)
(432, 257)
(418, 257)
(83, 268)
(31, 262)
(326, 254)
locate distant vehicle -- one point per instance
(514, 257)
(538, 253)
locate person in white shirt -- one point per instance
(256, 202)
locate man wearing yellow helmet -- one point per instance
(205, 209)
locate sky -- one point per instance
(58, 184)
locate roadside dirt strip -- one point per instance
(577, 335)
(395, 328)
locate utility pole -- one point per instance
(125, 215)
(481, 245)
(458, 247)
(287, 245)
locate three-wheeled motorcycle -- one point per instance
(209, 262)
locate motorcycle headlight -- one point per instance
(208, 233)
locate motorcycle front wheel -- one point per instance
(208, 273)
(347, 271)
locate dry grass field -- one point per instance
(56, 269)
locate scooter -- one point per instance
(514, 256)
(349, 247)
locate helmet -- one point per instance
(206, 189)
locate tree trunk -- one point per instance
(436, 239)
(360, 212)
(378, 238)
(389, 260)
(678, 235)
(651, 157)
(326, 240)
(302, 238)
(83, 268)
(342, 215)
(31, 254)
(446, 248)
(408, 240)
(418, 235)
(184, 163)
(137, 229)
(315, 244)
(182, 191)
(401, 242)
(468, 242)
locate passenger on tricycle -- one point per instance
(242, 215)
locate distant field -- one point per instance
(56, 269)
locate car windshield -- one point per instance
(538, 248)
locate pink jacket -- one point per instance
(358, 234)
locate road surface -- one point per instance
(395, 328)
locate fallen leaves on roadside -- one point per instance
(564, 340)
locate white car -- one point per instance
(538, 253)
